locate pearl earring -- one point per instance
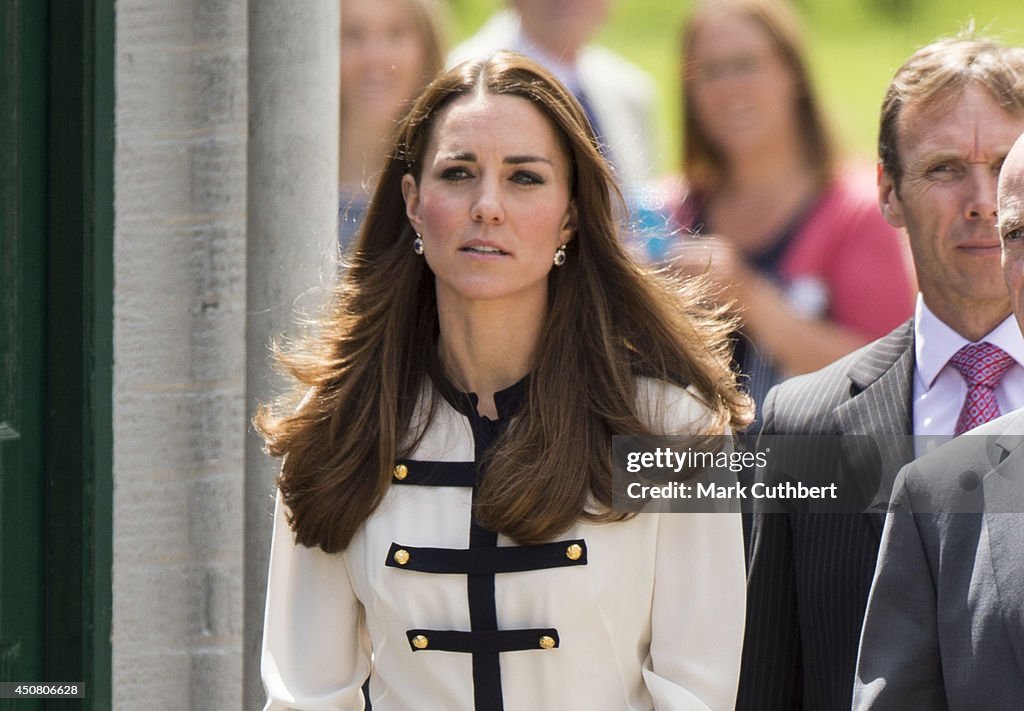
(560, 256)
(417, 244)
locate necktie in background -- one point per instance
(982, 366)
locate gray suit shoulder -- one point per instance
(833, 379)
(949, 477)
(806, 403)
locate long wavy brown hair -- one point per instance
(362, 376)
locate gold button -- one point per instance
(547, 642)
(401, 471)
(420, 642)
(574, 552)
(401, 556)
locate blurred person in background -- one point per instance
(794, 240)
(618, 97)
(390, 49)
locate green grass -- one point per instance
(855, 47)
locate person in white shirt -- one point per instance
(445, 524)
(948, 120)
(945, 619)
(618, 97)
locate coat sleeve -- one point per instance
(698, 601)
(771, 672)
(697, 612)
(314, 655)
(898, 666)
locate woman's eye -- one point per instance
(454, 173)
(525, 177)
(1014, 235)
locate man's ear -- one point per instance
(889, 199)
(569, 224)
(411, 194)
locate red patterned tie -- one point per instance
(981, 365)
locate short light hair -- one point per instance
(940, 72)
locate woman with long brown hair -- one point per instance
(445, 503)
(793, 238)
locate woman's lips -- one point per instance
(482, 248)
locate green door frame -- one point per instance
(78, 422)
(22, 326)
(56, 346)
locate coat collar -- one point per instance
(1004, 510)
(877, 416)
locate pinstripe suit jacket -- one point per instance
(810, 574)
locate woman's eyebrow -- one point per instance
(519, 160)
(464, 156)
(470, 157)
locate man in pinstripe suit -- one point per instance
(944, 626)
(949, 118)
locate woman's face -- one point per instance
(743, 94)
(492, 203)
(382, 57)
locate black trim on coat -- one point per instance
(437, 473)
(484, 641)
(487, 561)
(493, 642)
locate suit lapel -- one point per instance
(1004, 516)
(877, 416)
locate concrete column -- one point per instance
(293, 205)
(179, 354)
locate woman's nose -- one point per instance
(487, 205)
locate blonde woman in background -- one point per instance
(390, 49)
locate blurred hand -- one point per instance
(717, 258)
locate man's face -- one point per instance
(1011, 227)
(951, 151)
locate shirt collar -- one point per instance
(935, 342)
(507, 401)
